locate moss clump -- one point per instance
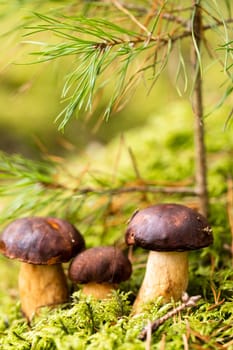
(89, 324)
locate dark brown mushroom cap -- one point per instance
(100, 264)
(39, 240)
(168, 227)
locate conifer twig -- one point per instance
(187, 302)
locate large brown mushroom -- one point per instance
(42, 245)
(168, 231)
(100, 270)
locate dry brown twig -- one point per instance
(131, 16)
(187, 302)
(230, 210)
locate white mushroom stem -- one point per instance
(166, 275)
(99, 290)
(41, 285)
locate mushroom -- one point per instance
(41, 244)
(168, 231)
(100, 270)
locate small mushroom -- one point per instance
(100, 270)
(168, 231)
(41, 244)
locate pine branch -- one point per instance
(24, 170)
(99, 45)
(29, 187)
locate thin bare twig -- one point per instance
(185, 341)
(148, 338)
(144, 189)
(187, 302)
(197, 104)
(230, 210)
(131, 16)
(176, 19)
(134, 163)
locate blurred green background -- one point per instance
(30, 98)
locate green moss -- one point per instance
(90, 324)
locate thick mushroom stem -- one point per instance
(41, 285)
(99, 290)
(166, 275)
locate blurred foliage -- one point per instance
(31, 93)
(137, 45)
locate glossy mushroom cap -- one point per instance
(168, 227)
(100, 265)
(38, 240)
